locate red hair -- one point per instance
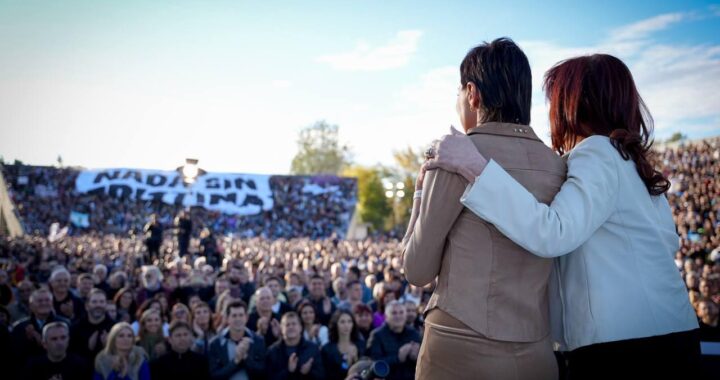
(596, 95)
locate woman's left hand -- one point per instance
(421, 176)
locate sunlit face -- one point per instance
(265, 299)
(85, 285)
(308, 315)
(396, 316)
(468, 117)
(236, 318)
(56, 341)
(124, 340)
(126, 300)
(96, 305)
(61, 282)
(41, 303)
(153, 323)
(290, 328)
(274, 287)
(345, 325)
(201, 315)
(180, 340)
(364, 320)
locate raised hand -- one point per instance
(305, 369)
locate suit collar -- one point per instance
(504, 129)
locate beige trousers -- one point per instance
(451, 350)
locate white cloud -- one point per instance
(281, 83)
(677, 81)
(365, 57)
(644, 28)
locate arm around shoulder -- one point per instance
(584, 203)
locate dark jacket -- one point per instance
(80, 333)
(336, 367)
(24, 348)
(72, 367)
(190, 365)
(384, 344)
(223, 367)
(252, 324)
(279, 354)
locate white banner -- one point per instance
(242, 194)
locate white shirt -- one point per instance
(614, 277)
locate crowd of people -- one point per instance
(116, 302)
(47, 195)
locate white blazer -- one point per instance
(615, 276)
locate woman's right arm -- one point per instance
(584, 203)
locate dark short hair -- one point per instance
(291, 314)
(85, 276)
(501, 72)
(234, 305)
(351, 283)
(174, 325)
(317, 277)
(95, 291)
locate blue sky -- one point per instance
(146, 84)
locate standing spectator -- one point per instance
(89, 334)
(153, 238)
(21, 307)
(180, 362)
(323, 305)
(236, 353)
(313, 331)
(100, 274)
(126, 307)
(65, 303)
(84, 285)
(208, 247)
(395, 343)
(150, 334)
(121, 359)
(183, 225)
(354, 295)
(709, 326)
(363, 320)
(293, 357)
(26, 333)
(57, 363)
(152, 283)
(345, 346)
(262, 319)
(203, 327)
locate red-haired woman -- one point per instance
(622, 305)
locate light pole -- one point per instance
(395, 191)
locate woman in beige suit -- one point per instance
(488, 317)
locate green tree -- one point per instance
(677, 136)
(320, 151)
(373, 207)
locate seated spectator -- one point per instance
(121, 359)
(89, 334)
(293, 357)
(236, 352)
(57, 363)
(179, 362)
(395, 343)
(345, 346)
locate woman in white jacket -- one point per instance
(621, 307)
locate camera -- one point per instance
(369, 370)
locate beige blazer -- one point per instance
(486, 281)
